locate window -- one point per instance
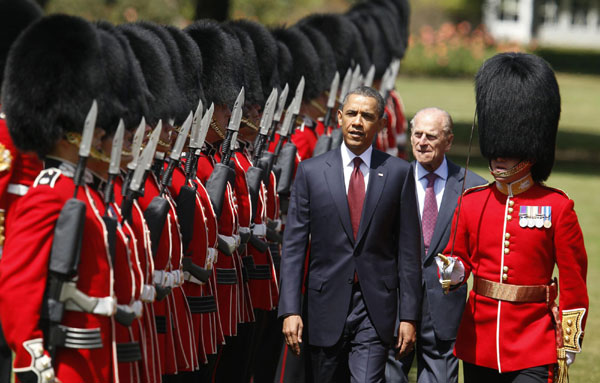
(508, 10)
(579, 12)
(549, 12)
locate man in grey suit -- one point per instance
(438, 187)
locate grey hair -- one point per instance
(367, 91)
(447, 124)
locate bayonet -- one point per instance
(265, 124)
(331, 100)
(115, 162)
(345, 85)
(279, 111)
(281, 103)
(205, 124)
(85, 145)
(136, 144)
(234, 126)
(175, 154)
(355, 78)
(370, 76)
(195, 129)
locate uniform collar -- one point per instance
(517, 187)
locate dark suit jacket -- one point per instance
(446, 310)
(385, 254)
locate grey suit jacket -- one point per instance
(446, 310)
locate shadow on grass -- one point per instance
(575, 152)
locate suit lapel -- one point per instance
(377, 177)
(446, 212)
(334, 177)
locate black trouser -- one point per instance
(477, 374)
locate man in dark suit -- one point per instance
(438, 183)
(357, 208)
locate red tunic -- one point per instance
(228, 295)
(17, 172)
(264, 292)
(24, 270)
(511, 336)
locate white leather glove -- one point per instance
(570, 357)
(450, 268)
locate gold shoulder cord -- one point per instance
(216, 128)
(75, 139)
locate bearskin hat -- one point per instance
(379, 34)
(305, 62)
(124, 77)
(154, 63)
(15, 16)
(285, 64)
(221, 76)
(518, 108)
(324, 53)
(53, 74)
(344, 38)
(266, 49)
(178, 104)
(399, 12)
(191, 59)
(252, 83)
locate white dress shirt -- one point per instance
(348, 164)
(438, 186)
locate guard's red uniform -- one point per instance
(17, 173)
(228, 289)
(24, 270)
(149, 366)
(263, 283)
(493, 245)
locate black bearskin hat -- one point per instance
(344, 38)
(285, 64)
(518, 108)
(324, 53)
(252, 84)
(15, 16)
(380, 34)
(221, 75)
(191, 59)
(265, 46)
(305, 62)
(124, 78)
(53, 73)
(154, 63)
(178, 104)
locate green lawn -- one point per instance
(575, 171)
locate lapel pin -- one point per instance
(380, 174)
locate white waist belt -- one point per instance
(260, 230)
(148, 293)
(76, 300)
(17, 189)
(135, 308)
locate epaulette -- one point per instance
(556, 190)
(477, 188)
(6, 158)
(47, 177)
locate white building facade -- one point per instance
(567, 23)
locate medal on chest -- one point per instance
(535, 217)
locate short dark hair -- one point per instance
(367, 91)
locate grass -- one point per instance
(575, 171)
